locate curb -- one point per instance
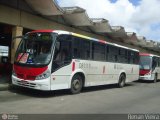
(4, 87)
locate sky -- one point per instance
(139, 16)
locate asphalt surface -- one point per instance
(135, 98)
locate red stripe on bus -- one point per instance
(104, 69)
(144, 54)
(102, 41)
(28, 73)
(73, 66)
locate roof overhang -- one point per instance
(118, 33)
(100, 25)
(150, 44)
(141, 41)
(47, 7)
(76, 16)
(131, 38)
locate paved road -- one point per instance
(136, 97)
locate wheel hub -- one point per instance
(76, 84)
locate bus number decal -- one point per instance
(84, 65)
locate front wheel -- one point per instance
(76, 84)
(122, 80)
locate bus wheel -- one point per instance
(122, 80)
(76, 84)
(155, 78)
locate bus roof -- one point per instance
(93, 39)
(41, 31)
(83, 36)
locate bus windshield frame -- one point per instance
(35, 49)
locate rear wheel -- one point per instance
(76, 84)
(122, 80)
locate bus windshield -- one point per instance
(35, 49)
(145, 62)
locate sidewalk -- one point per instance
(4, 82)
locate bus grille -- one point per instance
(26, 84)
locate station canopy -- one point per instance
(78, 17)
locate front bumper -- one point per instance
(147, 77)
(36, 84)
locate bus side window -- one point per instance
(76, 48)
(113, 54)
(110, 54)
(137, 58)
(85, 49)
(131, 57)
(98, 51)
(107, 51)
(158, 62)
(155, 62)
(63, 52)
(57, 48)
(122, 57)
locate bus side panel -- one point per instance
(132, 72)
(60, 79)
(100, 73)
(96, 73)
(158, 71)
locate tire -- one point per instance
(76, 84)
(122, 80)
(155, 78)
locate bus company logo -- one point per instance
(4, 116)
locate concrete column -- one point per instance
(16, 31)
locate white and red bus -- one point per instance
(149, 67)
(54, 59)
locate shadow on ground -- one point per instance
(145, 81)
(57, 93)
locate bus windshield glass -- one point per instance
(35, 49)
(145, 62)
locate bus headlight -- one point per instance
(44, 75)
